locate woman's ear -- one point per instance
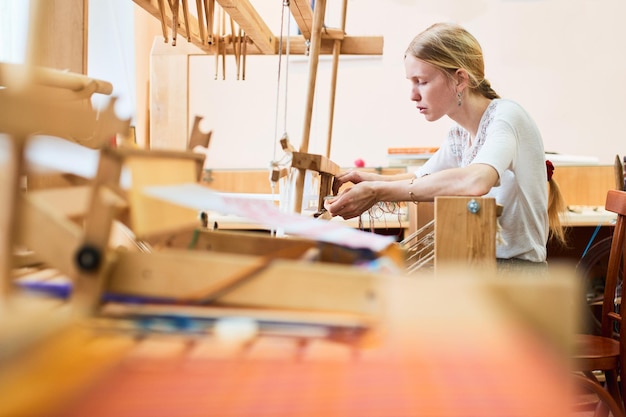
(462, 79)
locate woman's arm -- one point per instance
(472, 180)
(356, 177)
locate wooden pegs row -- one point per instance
(212, 31)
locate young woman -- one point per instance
(494, 148)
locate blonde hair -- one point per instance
(449, 47)
(556, 206)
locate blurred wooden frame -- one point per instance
(182, 276)
(465, 231)
(41, 101)
(150, 216)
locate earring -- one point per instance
(458, 99)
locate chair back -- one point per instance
(611, 307)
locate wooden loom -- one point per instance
(90, 246)
(198, 287)
(84, 254)
(115, 341)
(44, 365)
(373, 327)
(106, 197)
(316, 39)
(147, 346)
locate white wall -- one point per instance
(562, 59)
(13, 31)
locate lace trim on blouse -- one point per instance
(459, 138)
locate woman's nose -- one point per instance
(415, 95)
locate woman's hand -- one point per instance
(354, 177)
(353, 201)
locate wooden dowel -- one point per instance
(217, 48)
(244, 51)
(163, 22)
(201, 21)
(333, 89)
(186, 19)
(333, 81)
(14, 74)
(223, 41)
(316, 38)
(239, 47)
(174, 8)
(235, 45)
(209, 6)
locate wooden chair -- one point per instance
(604, 352)
(586, 385)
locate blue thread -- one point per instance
(593, 236)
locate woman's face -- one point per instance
(431, 90)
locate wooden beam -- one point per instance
(252, 23)
(356, 45)
(350, 45)
(176, 274)
(39, 226)
(303, 15)
(319, 163)
(242, 12)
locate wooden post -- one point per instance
(9, 212)
(316, 41)
(333, 81)
(58, 35)
(169, 103)
(92, 258)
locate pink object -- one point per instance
(359, 163)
